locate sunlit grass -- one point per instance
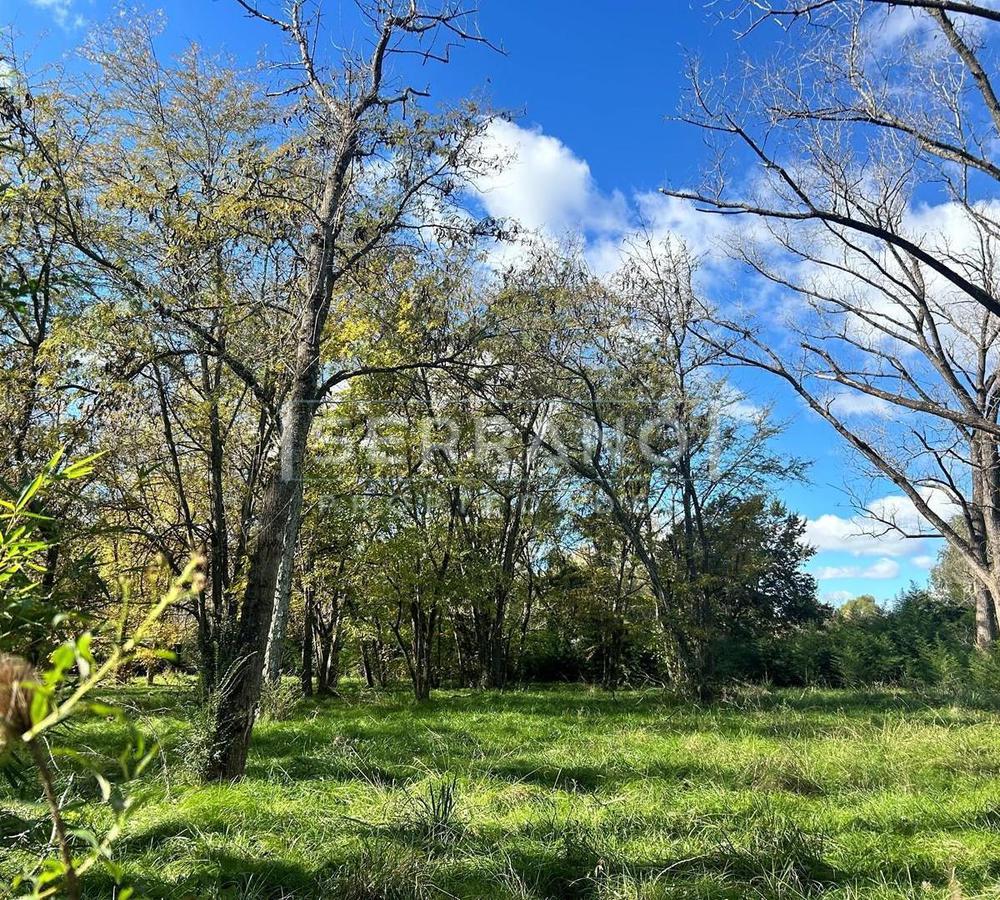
(570, 792)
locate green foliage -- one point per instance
(861, 607)
(923, 640)
(278, 701)
(983, 679)
(751, 580)
(25, 537)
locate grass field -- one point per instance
(569, 792)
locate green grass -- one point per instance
(570, 792)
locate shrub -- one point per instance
(983, 677)
(919, 642)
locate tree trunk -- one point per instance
(218, 625)
(283, 597)
(239, 693)
(207, 650)
(366, 664)
(979, 527)
(986, 623)
(307, 644)
(333, 662)
(323, 667)
(611, 677)
(329, 663)
(424, 628)
(496, 662)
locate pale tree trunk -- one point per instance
(986, 625)
(330, 633)
(283, 598)
(307, 642)
(986, 620)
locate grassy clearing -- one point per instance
(569, 792)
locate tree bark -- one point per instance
(366, 663)
(283, 598)
(986, 621)
(307, 643)
(240, 691)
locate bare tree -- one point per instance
(876, 192)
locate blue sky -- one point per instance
(591, 85)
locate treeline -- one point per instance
(921, 640)
(580, 610)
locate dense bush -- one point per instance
(920, 641)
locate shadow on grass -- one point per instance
(591, 778)
(227, 876)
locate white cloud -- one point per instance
(966, 239)
(870, 535)
(543, 185)
(896, 26)
(924, 561)
(837, 598)
(706, 234)
(855, 536)
(850, 404)
(828, 573)
(744, 410)
(893, 26)
(883, 568)
(901, 512)
(61, 11)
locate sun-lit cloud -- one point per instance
(707, 235)
(891, 27)
(539, 182)
(855, 404)
(542, 184)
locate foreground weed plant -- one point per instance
(436, 812)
